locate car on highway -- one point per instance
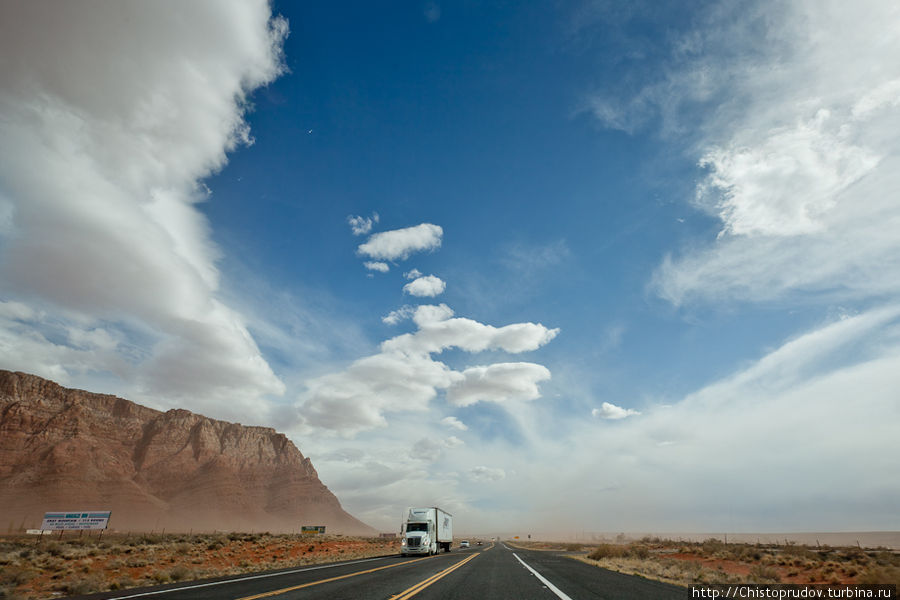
(464, 544)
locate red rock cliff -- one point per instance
(63, 449)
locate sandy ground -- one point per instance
(716, 562)
(52, 568)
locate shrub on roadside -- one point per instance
(81, 585)
(764, 574)
(888, 575)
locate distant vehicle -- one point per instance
(478, 543)
(425, 531)
(464, 544)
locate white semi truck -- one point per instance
(425, 531)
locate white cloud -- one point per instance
(381, 267)
(611, 411)
(362, 225)
(454, 423)
(102, 169)
(424, 287)
(404, 378)
(399, 244)
(787, 183)
(802, 171)
(357, 398)
(453, 442)
(482, 473)
(424, 313)
(431, 450)
(16, 311)
(413, 274)
(499, 382)
(471, 336)
(431, 313)
(401, 314)
(820, 407)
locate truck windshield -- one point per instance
(417, 527)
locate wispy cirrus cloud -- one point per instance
(791, 135)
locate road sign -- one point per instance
(76, 520)
(312, 529)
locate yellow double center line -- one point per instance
(424, 584)
(312, 583)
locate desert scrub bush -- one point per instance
(180, 573)
(713, 546)
(146, 539)
(607, 551)
(53, 549)
(887, 558)
(14, 576)
(183, 548)
(122, 583)
(888, 575)
(641, 552)
(8, 593)
(852, 555)
(215, 545)
(50, 563)
(160, 577)
(81, 585)
(764, 574)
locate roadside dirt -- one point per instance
(713, 561)
(51, 568)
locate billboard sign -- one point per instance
(312, 529)
(76, 520)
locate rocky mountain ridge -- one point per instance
(65, 450)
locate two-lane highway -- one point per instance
(496, 571)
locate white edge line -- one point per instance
(223, 582)
(559, 593)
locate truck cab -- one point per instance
(425, 531)
(418, 538)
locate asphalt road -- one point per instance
(492, 571)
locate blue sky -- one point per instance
(475, 255)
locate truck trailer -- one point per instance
(425, 531)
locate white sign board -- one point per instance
(76, 520)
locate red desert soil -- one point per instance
(54, 568)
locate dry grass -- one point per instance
(32, 568)
(713, 561)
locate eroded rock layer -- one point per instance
(66, 450)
